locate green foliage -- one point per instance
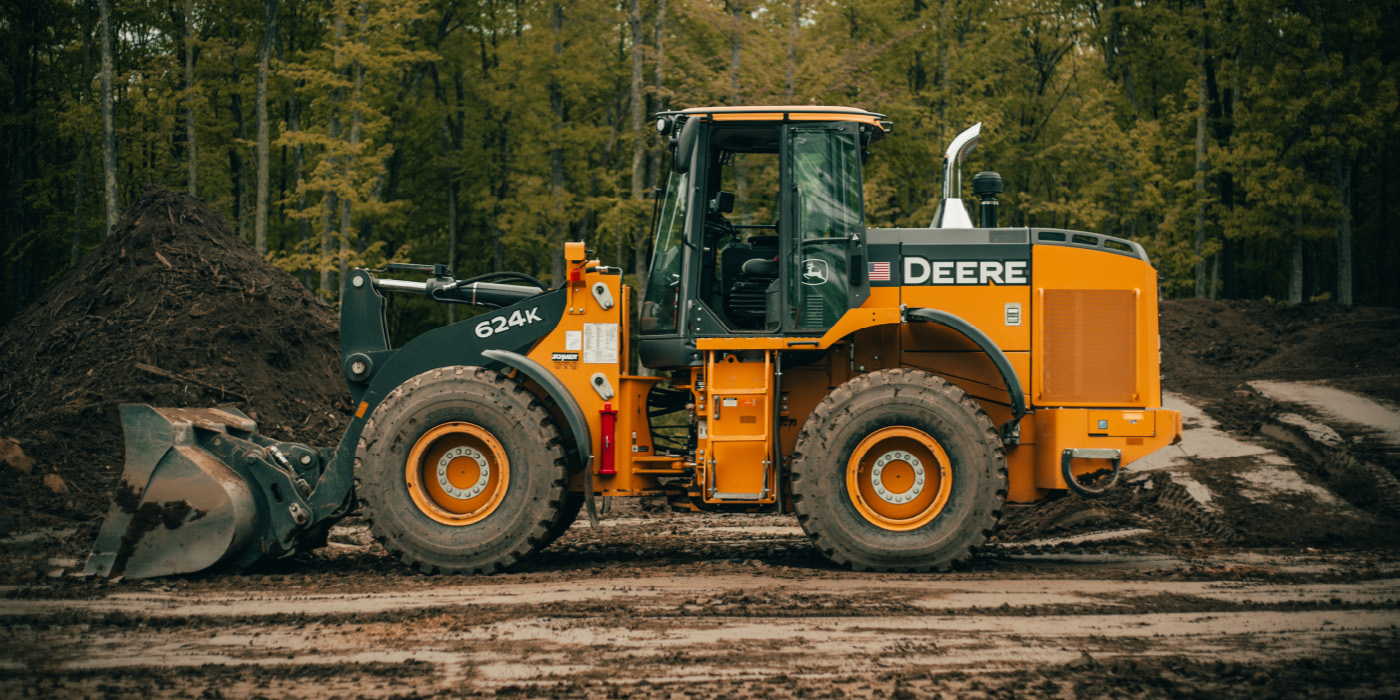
(471, 130)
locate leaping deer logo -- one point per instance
(814, 272)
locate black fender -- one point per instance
(364, 339)
(572, 413)
(1009, 432)
(557, 391)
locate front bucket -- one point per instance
(178, 508)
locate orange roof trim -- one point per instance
(789, 113)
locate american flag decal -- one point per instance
(879, 272)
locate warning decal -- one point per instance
(599, 343)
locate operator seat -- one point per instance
(747, 270)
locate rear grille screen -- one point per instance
(1090, 349)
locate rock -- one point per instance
(1084, 661)
(12, 455)
(55, 483)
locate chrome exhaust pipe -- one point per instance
(951, 212)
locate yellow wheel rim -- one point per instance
(899, 478)
(457, 473)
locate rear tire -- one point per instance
(461, 470)
(929, 450)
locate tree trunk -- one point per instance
(109, 127)
(352, 156)
(453, 131)
(452, 236)
(658, 91)
(298, 174)
(328, 207)
(1215, 273)
(944, 48)
(736, 96)
(1295, 276)
(1341, 178)
(502, 190)
(793, 26)
(329, 200)
(264, 58)
(736, 46)
(237, 168)
(1201, 165)
(558, 220)
(79, 183)
(191, 151)
(80, 162)
(639, 238)
(634, 22)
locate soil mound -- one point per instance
(173, 309)
(1206, 344)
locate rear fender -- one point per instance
(1009, 432)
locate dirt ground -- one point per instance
(1255, 559)
(711, 606)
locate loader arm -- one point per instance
(202, 489)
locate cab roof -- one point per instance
(791, 113)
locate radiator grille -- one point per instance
(1090, 349)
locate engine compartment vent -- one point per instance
(1090, 351)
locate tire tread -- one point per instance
(523, 400)
(844, 402)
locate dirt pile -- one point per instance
(173, 309)
(1207, 344)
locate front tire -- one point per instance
(898, 470)
(461, 470)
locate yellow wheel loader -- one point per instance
(892, 388)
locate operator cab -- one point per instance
(761, 229)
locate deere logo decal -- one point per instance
(966, 272)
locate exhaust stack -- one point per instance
(951, 212)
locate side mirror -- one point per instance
(684, 150)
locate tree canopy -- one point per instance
(1249, 145)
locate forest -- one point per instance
(1250, 145)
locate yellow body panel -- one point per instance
(736, 446)
(1073, 290)
(982, 306)
(1064, 428)
(582, 335)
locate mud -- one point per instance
(648, 608)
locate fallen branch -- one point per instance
(148, 369)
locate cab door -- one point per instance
(824, 227)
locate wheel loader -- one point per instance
(892, 388)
